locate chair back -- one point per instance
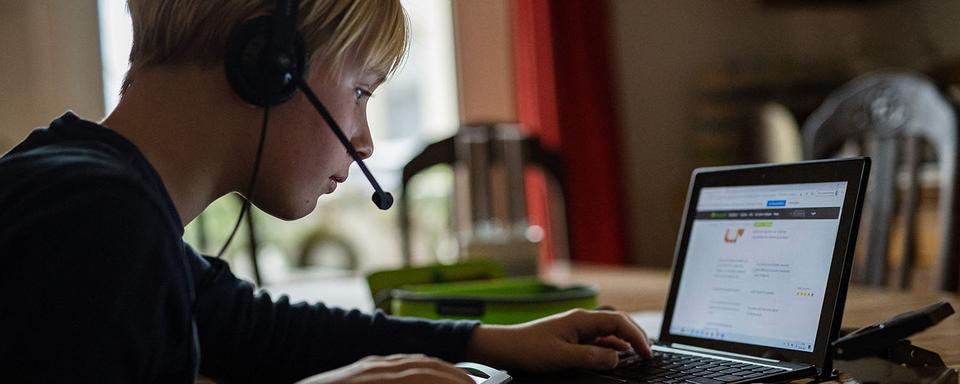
(523, 152)
(894, 116)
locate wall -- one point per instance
(49, 63)
(484, 61)
(664, 46)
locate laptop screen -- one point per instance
(757, 264)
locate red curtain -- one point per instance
(566, 96)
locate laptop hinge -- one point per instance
(723, 353)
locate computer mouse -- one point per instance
(482, 374)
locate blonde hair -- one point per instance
(370, 33)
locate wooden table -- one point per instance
(634, 289)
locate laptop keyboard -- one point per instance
(666, 367)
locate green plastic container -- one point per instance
(382, 283)
(498, 301)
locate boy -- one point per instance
(100, 286)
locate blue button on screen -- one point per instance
(776, 203)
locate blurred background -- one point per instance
(621, 99)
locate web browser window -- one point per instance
(757, 264)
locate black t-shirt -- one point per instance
(99, 286)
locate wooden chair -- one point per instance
(894, 116)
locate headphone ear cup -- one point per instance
(248, 64)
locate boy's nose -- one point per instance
(363, 142)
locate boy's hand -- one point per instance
(394, 369)
(573, 339)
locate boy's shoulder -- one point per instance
(69, 186)
(63, 171)
(73, 208)
(75, 172)
(70, 149)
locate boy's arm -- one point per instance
(248, 337)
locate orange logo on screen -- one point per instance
(732, 237)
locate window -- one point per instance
(116, 38)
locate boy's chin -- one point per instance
(291, 210)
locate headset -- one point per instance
(265, 64)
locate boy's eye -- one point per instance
(361, 93)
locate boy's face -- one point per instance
(302, 157)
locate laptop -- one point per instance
(759, 279)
